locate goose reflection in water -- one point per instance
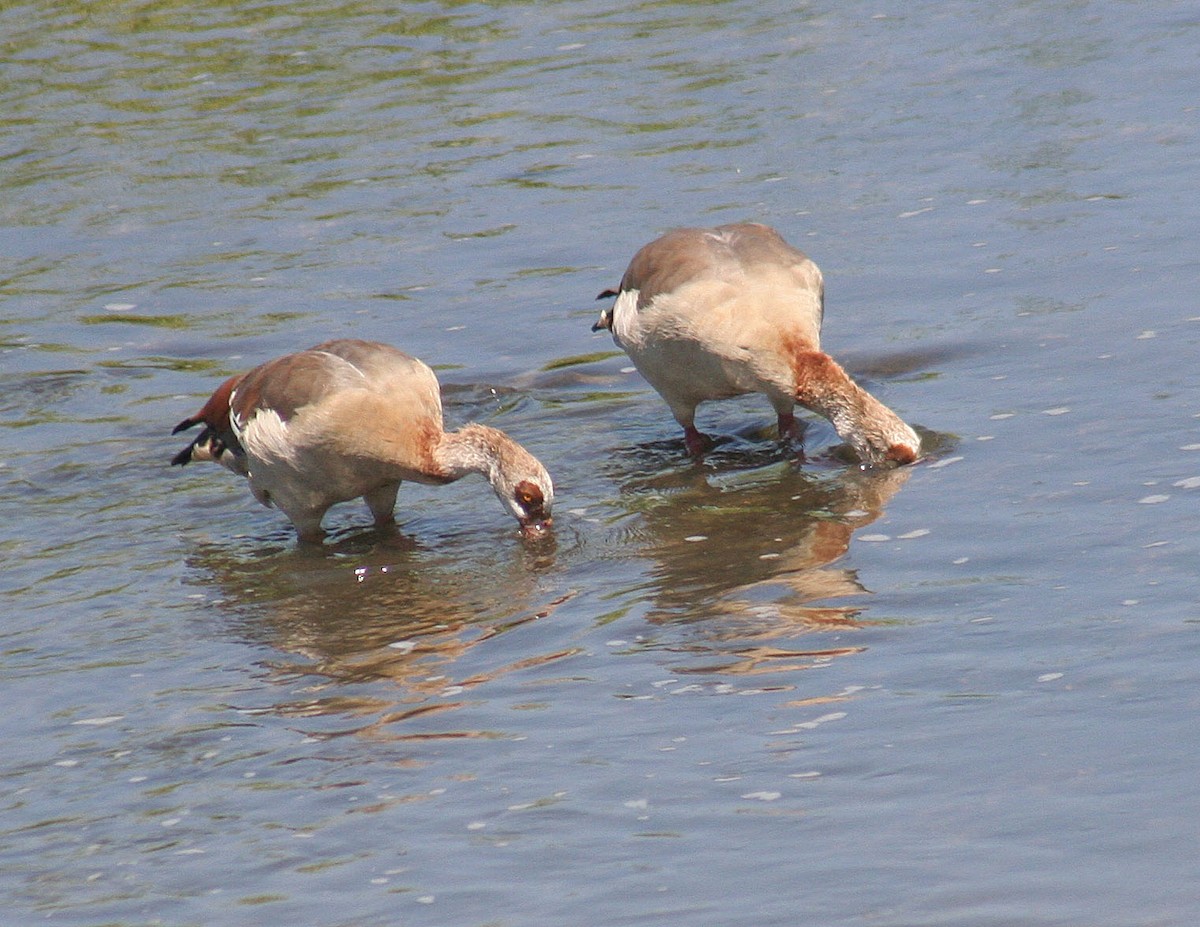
(745, 559)
(364, 613)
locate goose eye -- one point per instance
(528, 496)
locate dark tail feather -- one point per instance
(187, 454)
(184, 456)
(608, 294)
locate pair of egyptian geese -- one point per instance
(703, 314)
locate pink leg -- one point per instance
(696, 442)
(789, 428)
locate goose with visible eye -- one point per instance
(349, 419)
(710, 313)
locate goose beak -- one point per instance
(604, 322)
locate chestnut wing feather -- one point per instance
(217, 435)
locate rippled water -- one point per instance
(751, 691)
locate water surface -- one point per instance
(758, 690)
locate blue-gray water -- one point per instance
(741, 693)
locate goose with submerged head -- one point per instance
(710, 313)
(349, 419)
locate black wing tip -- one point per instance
(185, 425)
(608, 294)
(188, 454)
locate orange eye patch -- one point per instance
(529, 495)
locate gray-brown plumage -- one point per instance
(353, 418)
(713, 313)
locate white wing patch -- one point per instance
(624, 316)
(265, 436)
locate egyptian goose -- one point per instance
(354, 418)
(713, 313)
